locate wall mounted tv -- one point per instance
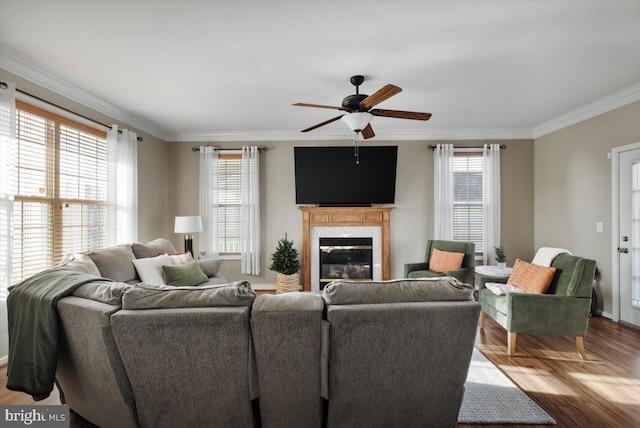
(330, 176)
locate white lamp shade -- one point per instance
(357, 121)
(188, 224)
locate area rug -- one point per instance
(491, 398)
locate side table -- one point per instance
(492, 274)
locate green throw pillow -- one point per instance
(189, 274)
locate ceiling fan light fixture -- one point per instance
(357, 121)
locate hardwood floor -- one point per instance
(602, 392)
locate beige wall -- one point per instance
(411, 220)
(572, 181)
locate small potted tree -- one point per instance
(284, 261)
(501, 258)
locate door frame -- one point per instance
(615, 226)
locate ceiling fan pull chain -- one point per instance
(356, 151)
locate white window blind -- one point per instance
(467, 199)
(230, 200)
(60, 201)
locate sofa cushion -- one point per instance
(210, 267)
(531, 278)
(80, 263)
(146, 296)
(150, 269)
(396, 291)
(498, 302)
(152, 248)
(115, 263)
(103, 291)
(215, 280)
(188, 274)
(425, 274)
(444, 261)
(288, 302)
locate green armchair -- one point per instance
(562, 311)
(464, 274)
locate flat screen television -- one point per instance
(330, 176)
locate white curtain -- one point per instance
(443, 191)
(122, 191)
(7, 190)
(250, 211)
(491, 201)
(209, 199)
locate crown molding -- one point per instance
(386, 135)
(18, 66)
(598, 107)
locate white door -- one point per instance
(629, 239)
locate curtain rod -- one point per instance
(3, 85)
(502, 147)
(197, 149)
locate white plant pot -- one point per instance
(502, 266)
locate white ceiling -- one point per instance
(214, 70)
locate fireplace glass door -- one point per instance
(345, 258)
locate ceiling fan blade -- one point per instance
(367, 132)
(399, 114)
(326, 122)
(386, 92)
(316, 106)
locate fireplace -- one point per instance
(345, 258)
(371, 223)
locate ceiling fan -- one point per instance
(360, 111)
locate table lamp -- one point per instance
(188, 225)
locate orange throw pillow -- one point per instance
(444, 261)
(531, 278)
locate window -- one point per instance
(467, 198)
(229, 203)
(61, 190)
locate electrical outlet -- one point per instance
(599, 227)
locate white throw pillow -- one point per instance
(150, 269)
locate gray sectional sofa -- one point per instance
(390, 353)
(382, 354)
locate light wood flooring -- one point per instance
(602, 392)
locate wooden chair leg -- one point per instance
(580, 347)
(482, 318)
(511, 343)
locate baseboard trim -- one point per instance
(604, 314)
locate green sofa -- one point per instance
(562, 311)
(464, 274)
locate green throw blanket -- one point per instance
(33, 329)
